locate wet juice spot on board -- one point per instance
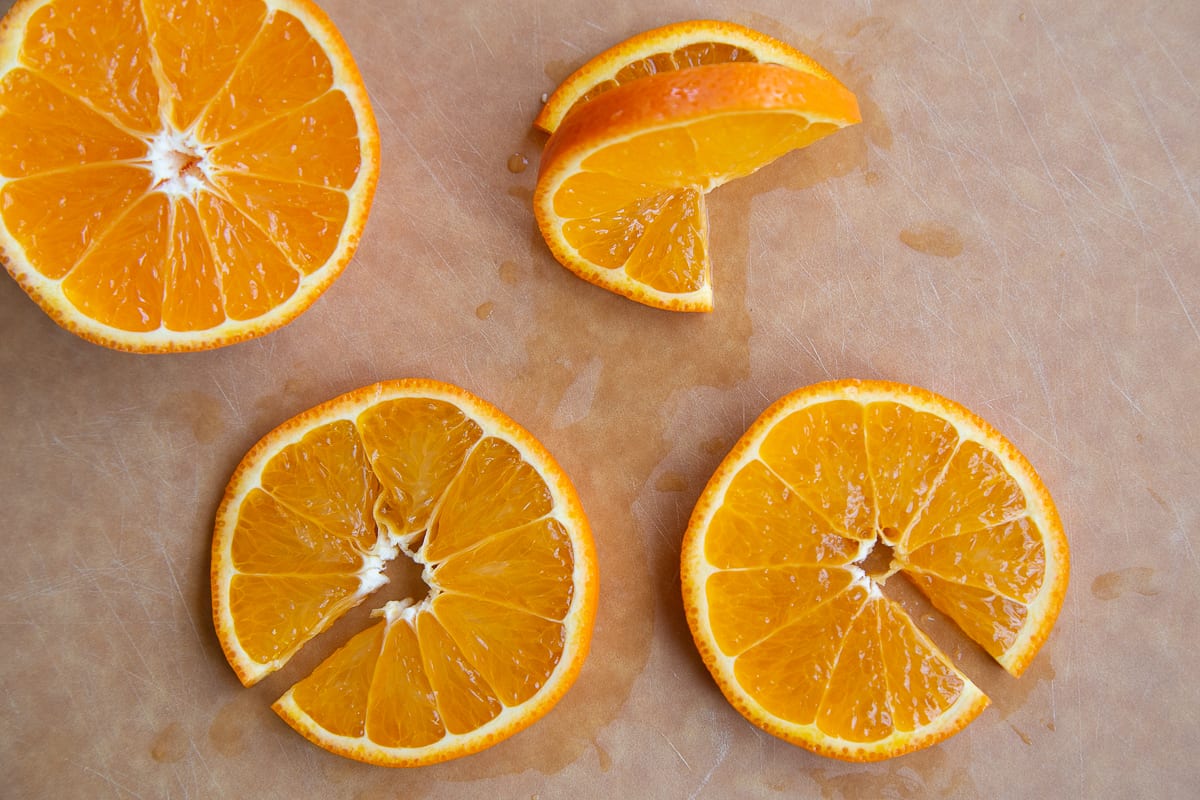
(934, 239)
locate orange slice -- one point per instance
(179, 176)
(320, 505)
(671, 47)
(620, 191)
(793, 625)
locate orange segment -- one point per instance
(819, 453)
(758, 522)
(326, 478)
(676, 46)
(253, 275)
(198, 44)
(902, 477)
(282, 68)
(975, 492)
(797, 635)
(275, 614)
(540, 553)
(855, 705)
(98, 51)
(192, 298)
(136, 303)
(245, 123)
(319, 506)
(495, 638)
(789, 672)
(45, 128)
(302, 221)
(1008, 559)
(746, 605)
(296, 146)
(416, 447)
(402, 709)
(338, 690)
(990, 618)
(59, 217)
(497, 490)
(465, 699)
(272, 538)
(620, 192)
(922, 684)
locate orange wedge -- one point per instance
(671, 47)
(793, 625)
(620, 191)
(320, 505)
(179, 175)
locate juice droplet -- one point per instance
(671, 482)
(517, 163)
(510, 273)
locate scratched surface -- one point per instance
(1015, 225)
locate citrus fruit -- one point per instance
(620, 190)
(671, 47)
(790, 620)
(315, 511)
(179, 175)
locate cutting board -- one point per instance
(1013, 225)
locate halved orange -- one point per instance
(793, 626)
(179, 175)
(319, 506)
(620, 191)
(671, 47)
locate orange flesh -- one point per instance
(182, 205)
(406, 467)
(621, 189)
(656, 226)
(814, 642)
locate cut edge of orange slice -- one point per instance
(695, 568)
(567, 510)
(661, 103)
(666, 40)
(48, 292)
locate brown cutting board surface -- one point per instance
(1014, 225)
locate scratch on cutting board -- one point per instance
(1141, 99)
(1115, 170)
(108, 779)
(179, 590)
(723, 741)
(1037, 148)
(676, 749)
(1128, 398)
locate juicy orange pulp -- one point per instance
(620, 195)
(305, 532)
(181, 174)
(783, 607)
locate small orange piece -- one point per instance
(793, 628)
(620, 191)
(320, 505)
(676, 46)
(179, 175)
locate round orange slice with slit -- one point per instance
(179, 175)
(410, 469)
(676, 46)
(792, 623)
(620, 192)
